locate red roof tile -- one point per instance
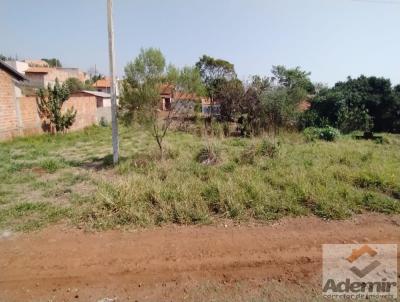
(103, 83)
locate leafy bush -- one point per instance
(327, 133)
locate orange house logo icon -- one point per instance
(357, 253)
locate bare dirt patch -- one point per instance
(281, 261)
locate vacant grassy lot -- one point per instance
(46, 179)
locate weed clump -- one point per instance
(247, 156)
(52, 165)
(208, 155)
(267, 148)
(329, 134)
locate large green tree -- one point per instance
(187, 79)
(231, 96)
(148, 67)
(214, 73)
(277, 98)
(364, 103)
(292, 78)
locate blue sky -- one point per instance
(330, 38)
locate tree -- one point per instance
(231, 95)
(94, 78)
(140, 98)
(74, 85)
(292, 78)
(7, 58)
(53, 62)
(189, 80)
(94, 75)
(271, 103)
(280, 108)
(214, 72)
(148, 67)
(50, 102)
(173, 74)
(365, 103)
(393, 116)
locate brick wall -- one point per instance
(86, 109)
(31, 123)
(29, 115)
(8, 117)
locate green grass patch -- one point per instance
(29, 216)
(198, 181)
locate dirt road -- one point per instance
(176, 263)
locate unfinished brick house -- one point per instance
(185, 102)
(10, 79)
(180, 101)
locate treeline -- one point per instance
(287, 99)
(365, 103)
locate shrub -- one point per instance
(311, 134)
(207, 155)
(327, 133)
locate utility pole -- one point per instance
(114, 122)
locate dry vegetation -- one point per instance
(70, 178)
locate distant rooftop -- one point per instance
(11, 71)
(97, 93)
(38, 69)
(103, 83)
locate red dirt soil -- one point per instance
(176, 263)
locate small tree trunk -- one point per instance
(160, 146)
